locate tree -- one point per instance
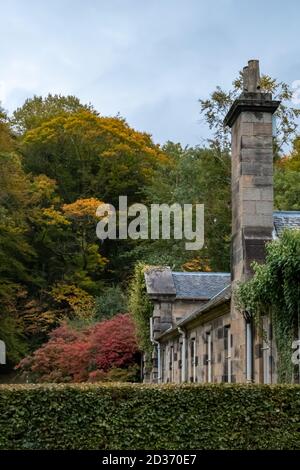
(287, 180)
(15, 251)
(85, 263)
(194, 176)
(92, 353)
(111, 301)
(89, 155)
(216, 107)
(7, 142)
(37, 110)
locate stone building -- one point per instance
(197, 332)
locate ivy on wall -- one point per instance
(274, 289)
(141, 309)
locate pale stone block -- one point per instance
(259, 155)
(257, 141)
(263, 181)
(267, 170)
(266, 194)
(264, 207)
(262, 128)
(251, 194)
(250, 168)
(248, 116)
(249, 207)
(247, 128)
(246, 181)
(258, 220)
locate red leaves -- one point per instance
(89, 354)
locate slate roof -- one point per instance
(199, 285)
(213, 287)
(285, 219)
(161, 281)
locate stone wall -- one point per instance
(214, 324)
(250, 119)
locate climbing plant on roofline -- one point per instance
(275, 289)
(141, 309)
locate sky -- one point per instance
(148, 60)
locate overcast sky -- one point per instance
(149, 60)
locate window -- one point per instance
(227, 348)
(209, 357)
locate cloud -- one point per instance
(150, 61)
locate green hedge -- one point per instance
(135, 416)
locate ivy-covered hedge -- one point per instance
(134, 416)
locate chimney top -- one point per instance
(251, 77)
(252, 98)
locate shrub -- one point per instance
(135, 416)
(111, 301)
(79, 355)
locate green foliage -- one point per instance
(133, 416)
(12, 335)
(36, 110)
(287, 180)
(287, 189)
(117, 374)
(275, 289)
(141, 309)
(111, 301)
(216, 107)
(194, 176)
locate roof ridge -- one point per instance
(202, 272)
(287, 212)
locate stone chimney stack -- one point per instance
(250, 120)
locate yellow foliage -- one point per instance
(197, 264)
(43, 187)
(111, 136)
(79, 301)
(54, 217)
(82, 208)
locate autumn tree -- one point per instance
(101, 352)
(38, 109)
(16, 251)
(91, 156)
(84, 246)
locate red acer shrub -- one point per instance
(91, 354)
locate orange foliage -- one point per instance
(82, 208)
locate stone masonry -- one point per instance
(250, 119)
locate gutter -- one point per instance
(157, 344)
(182, 332)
